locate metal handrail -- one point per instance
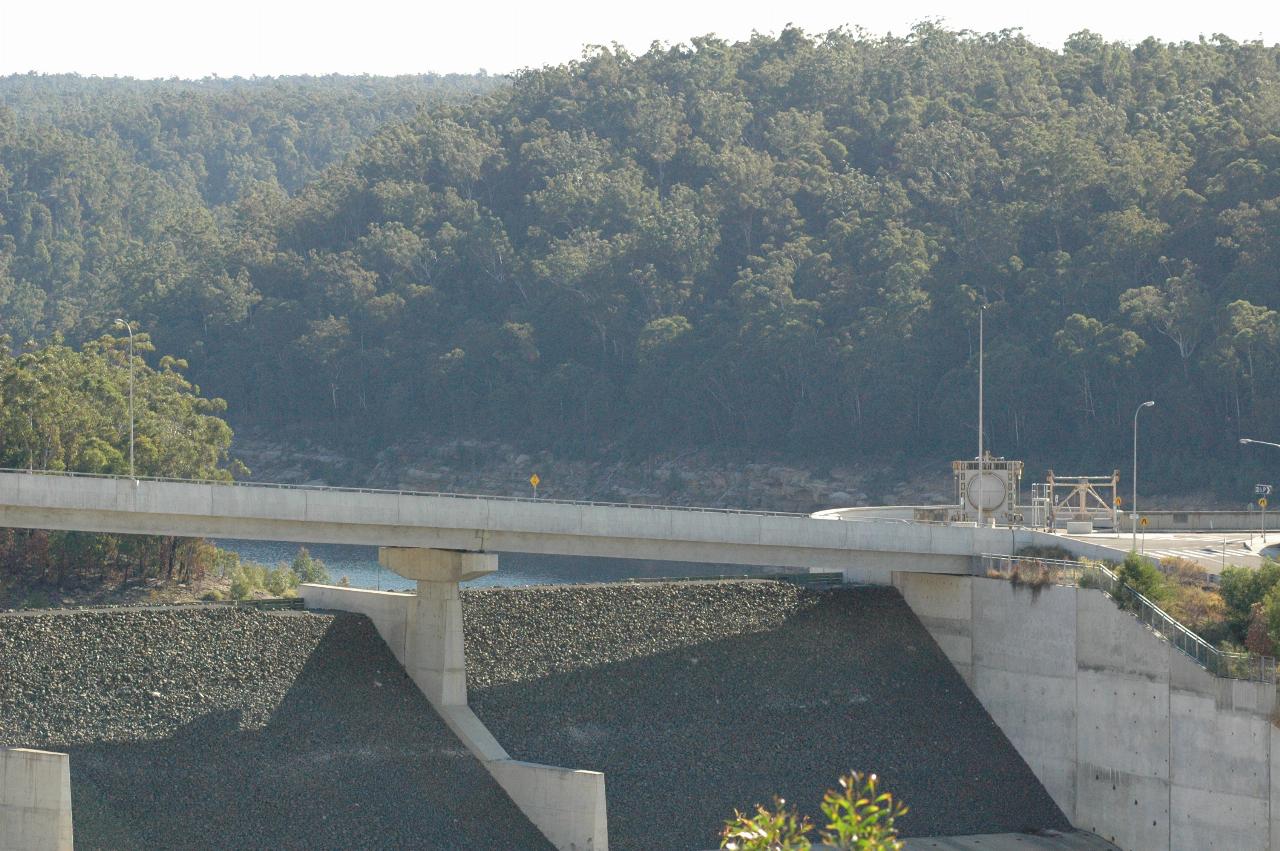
(1222, 663)
(387, 491)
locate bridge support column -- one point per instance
(433, 650)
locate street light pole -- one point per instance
(1244, 441)
(1133, 513)
(121, 323)
(982, 481)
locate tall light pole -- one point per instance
(1133, 512)
(982, 481)
(126, 326)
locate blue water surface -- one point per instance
(360, 566)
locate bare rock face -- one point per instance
(471, 466)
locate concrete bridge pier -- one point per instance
(433, 653)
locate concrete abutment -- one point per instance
(1132, 739)
(425, 633)
(35, 800)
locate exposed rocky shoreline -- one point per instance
(693, 478)
(690, 478)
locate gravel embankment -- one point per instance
(223, 728)
(698, 698)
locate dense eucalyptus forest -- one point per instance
(779, 246)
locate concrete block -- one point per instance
(1273, 760)
(35, 801)
(432, 565)
(1109, 639)
(381, 509)
(267, 504)
(1123, 724)
(548, 517)
(1129, 810)
(1201, 820)
(166, 498)
(944, 605)
(568, 806)
(1217, 749)
(434, 654)
(448, 512)
(1024, 630)
(943, 598)
(389, 610)
(1038, 714)
(706, 525)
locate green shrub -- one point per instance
(213, 595)
(309, 569)
(241, 584)
(1142, 576)
(281, 580)
(859, 818)
(224, 562)
(1241, 589)
(36, 600)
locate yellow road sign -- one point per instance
(1262, 502)
(533, 480)
(1143, 521)
(1118, 501)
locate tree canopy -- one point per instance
(779, 244)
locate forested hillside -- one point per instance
(779, 245)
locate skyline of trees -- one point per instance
(773, 246)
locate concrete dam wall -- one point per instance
(1133, 739)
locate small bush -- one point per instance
(859, 818)
(241, 584)
(36, 600)
(281, 580)
(1144, 577)
(213, 596)
(309, 569)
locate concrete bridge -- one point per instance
(865, 549)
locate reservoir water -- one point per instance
(360, 566)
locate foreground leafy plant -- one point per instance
(859, 818)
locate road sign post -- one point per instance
(533, 480)
(1262, 503)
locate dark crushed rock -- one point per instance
(698, 698)
(225, 728)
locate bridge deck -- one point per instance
(496, 524)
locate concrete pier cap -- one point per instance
(431, 565)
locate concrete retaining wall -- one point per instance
(35, 800)
(568, 805)
(1133, 739)
(1200, 521)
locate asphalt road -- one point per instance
(1211, 550)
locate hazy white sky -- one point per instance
(197, 38)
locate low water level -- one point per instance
(360, 566)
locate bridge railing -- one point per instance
(393, 492)
(1038, 572)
